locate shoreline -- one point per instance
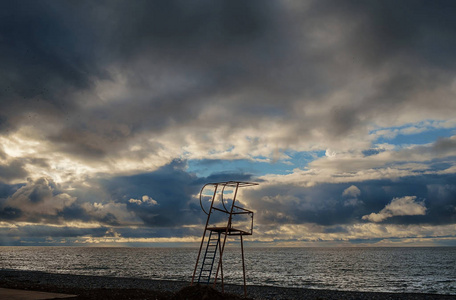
(136, 288)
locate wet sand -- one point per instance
(97, 287)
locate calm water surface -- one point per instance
(423, 270)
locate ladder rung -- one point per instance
(208, 259)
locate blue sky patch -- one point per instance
(206, 167)
(405, 135)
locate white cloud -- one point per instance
(405, 206)
(149, 200)
(118, 210)
(352, 191)
(144, 200)
(330, 153)
(135, 201)
(351, 194)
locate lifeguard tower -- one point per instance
(224, 218)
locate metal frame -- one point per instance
(227, 230)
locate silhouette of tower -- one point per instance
(224, 218)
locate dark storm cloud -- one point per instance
(389, 29)
(187, 27)
(13, 170)
(35, 202)
(444, 145)
(169, 186)
(10, 213)
(163, 198)
(326, 204)
(55, 232)
(54, 50)
(410, 43)
(170, 189)
(95, 80)
(322, 204)
(44, 54)
(7, 190)
(169, 194)
(44, 201)
(47, 235)
(158, 232)
(226, 176)
(263, 56)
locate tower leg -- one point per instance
(220, 260)
(221, 265)
(243, 266)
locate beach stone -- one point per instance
(203, 292)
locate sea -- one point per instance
(414, 270)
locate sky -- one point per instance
(114, 114)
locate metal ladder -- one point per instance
(209, 258)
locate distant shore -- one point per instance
(94, 287)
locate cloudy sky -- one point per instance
(114, 114)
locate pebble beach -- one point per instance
(99, 287)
